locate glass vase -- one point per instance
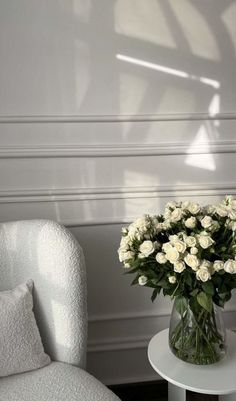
(196, 335)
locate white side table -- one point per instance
(218, 378)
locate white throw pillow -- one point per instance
(21, 348)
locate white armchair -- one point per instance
(47, 253)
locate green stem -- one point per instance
(196, 338)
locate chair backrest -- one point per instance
(49, 254)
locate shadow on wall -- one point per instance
(155, 58)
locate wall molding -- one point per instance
(115, 194)
(119, 343)
(116, 150)
(19, 119)
(107, 193)
(115, 344)
(128, 316)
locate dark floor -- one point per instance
(153, 391)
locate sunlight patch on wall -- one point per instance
(229, 18)
(168, 70)
(214, 107)
(143, 20)
(196, 29)
(204, 160)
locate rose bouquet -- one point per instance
(188, 253)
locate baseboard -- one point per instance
(148, 391)
(152, 391)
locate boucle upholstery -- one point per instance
(55, 382)
(47, 253)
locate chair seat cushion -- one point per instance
(55, 382)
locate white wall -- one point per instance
(108, 109)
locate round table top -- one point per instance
(218, 378)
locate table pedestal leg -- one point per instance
(227, 397)
(176, 393)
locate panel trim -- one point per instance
(12, 119)
(106, 193)
(134, 342)
(114, 344)
(128, 316)
(116, 150)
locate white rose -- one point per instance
(233, 203)
(191, 222)
(125, 241)
(232, 214)
(171, 205)
(203, 274)
(127, 265)
(218, 265)
(172, 279)
(205, 241)
(230, 266)
(176, 215)
(185, 204)
(190, 241)
(161, 258)
(194, 250)
(233, 226)
(172, 255)
(180, 246)
(147, 248)
(210, 209)
(221, 211)
(229, 198)
(215, 226)
(141, 256)
(133, 232)
(125, 255)
(142, 280)
(194, 208)
(167, 213)
(206, 222)
(162, 226)
(173, 238)
(206, 264)
(142, 224)
(179, 266)
(192, 261)
(166, 246)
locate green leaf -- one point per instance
(194, 292)
(232, 285)
(131, 271)
(208, 288)
(188, 280)
(163, 283)
(154, 294)
(226, 296)
(135, 281)
(205, 301)
(181, 304)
